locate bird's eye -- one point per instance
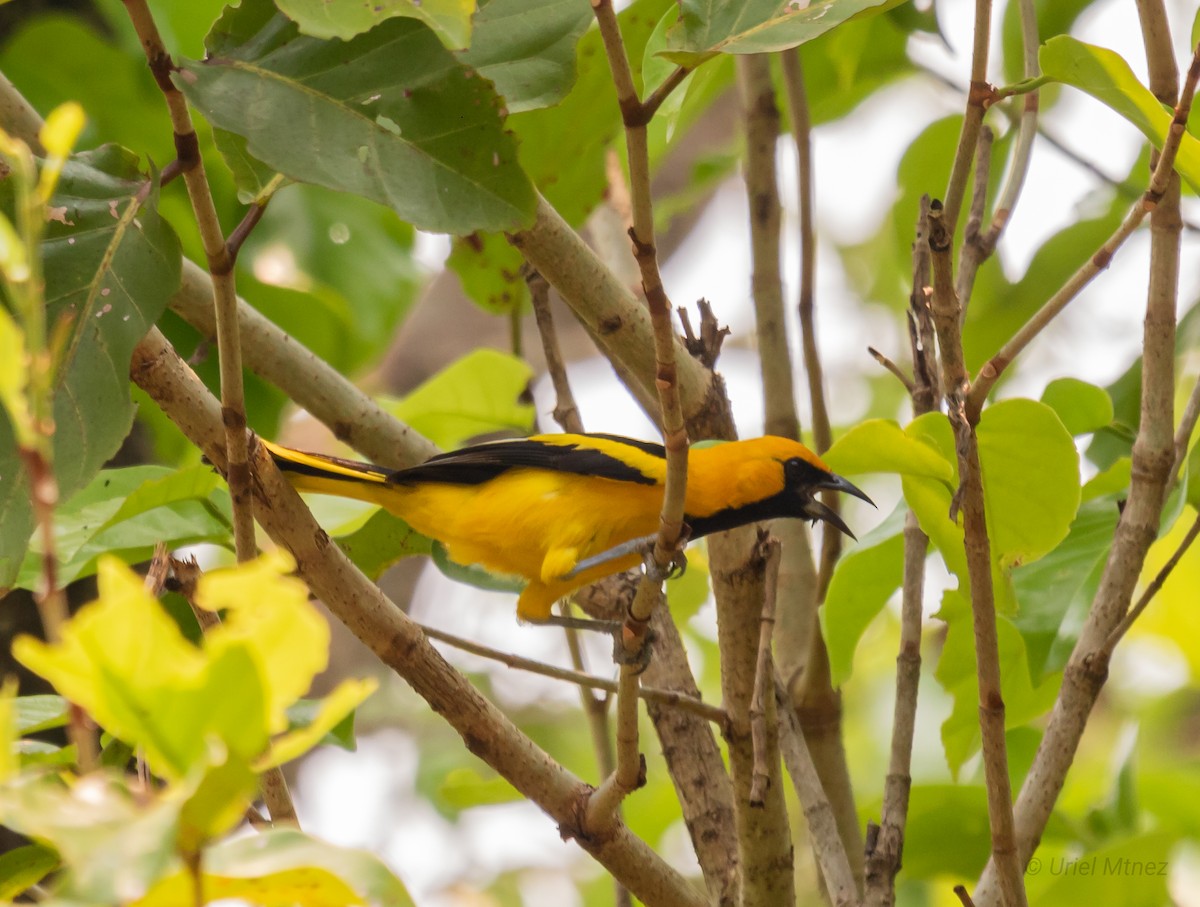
(799, 472)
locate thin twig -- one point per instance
(669, 698)
(566, 413)
(1151, 590)
(1153, 454)
(818, 813)
(630, 769)
(883, 856)
(764, 675)
(796, 95)
(220, 265)
(978, 98)
(892, 367)
(974, 245)
(1187, 424)
(1160, 179)
(946, 318)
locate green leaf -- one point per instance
(489, 269)
(929, 851)
(880, 445)
(1129, 871)
(757, 26)
(24, 867)
(527, 49)
(282, 866)
(1059, 584)
(398, 119)
(450, 20)
(380, 541)
(1081, 407)
(1030, 479)
(126, 512)
(114, 843)
(125, 661)
(251, 176)
(481, 393)
(1107, 77)
(956, 672)
(40, 713)
(303, 712)
(471, 575)
(267, 614)
(111, 263)
(863, 582)
(563, 147)
(334, 709)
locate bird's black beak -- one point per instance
(819, 511)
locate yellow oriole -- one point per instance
(542, 506)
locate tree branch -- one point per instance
(401, 644)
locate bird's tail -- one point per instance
(329, 475)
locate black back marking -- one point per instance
(483, 462)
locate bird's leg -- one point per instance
(643, 546)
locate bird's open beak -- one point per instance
(818, 511)
(837, 483)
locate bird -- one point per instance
(564, 510)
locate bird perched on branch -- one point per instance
(562, 511)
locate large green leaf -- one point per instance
(1048, 590)
(956, 672)
(527, 49)
(390, 115)
(864, 580)
(1107, 77)
(450, 20)
(111, 263)
(126, 512)
(707, 27)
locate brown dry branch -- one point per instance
(884, 856)
(947, 323)
(761, 119)
(796, 96)
(401, 644)
(220, 267)
(764, 675)
(1153, 458)
(832, 859)
(978, 98)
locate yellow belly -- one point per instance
(535, 525)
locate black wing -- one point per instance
(478, 464)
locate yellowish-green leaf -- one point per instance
(880, 445)
(348, 696)
(24, 867)
(480, 393)
(1104, 75)
(62, 128)
(13, 364)
(14, 264)
(58, 136)
(10, 764)
(281, 868)
(268, 613)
